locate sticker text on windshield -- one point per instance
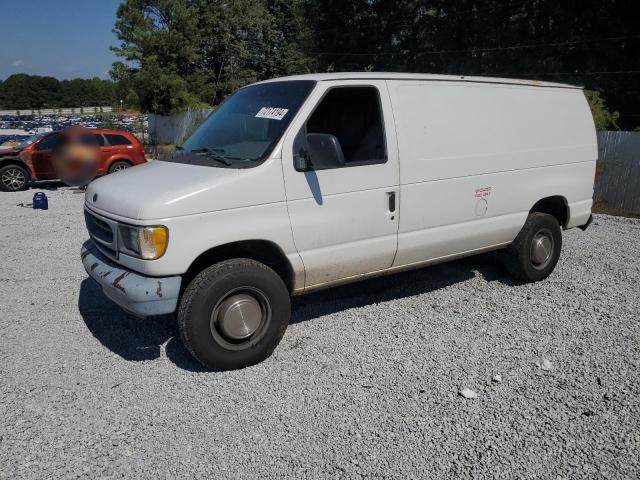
(272, 113)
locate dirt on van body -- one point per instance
(367, 381)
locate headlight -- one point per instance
(148, 243)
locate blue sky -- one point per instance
(60, 38)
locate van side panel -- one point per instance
(475, 158)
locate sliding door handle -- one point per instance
(391, 196)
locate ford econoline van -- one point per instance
(307, 182)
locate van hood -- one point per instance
(161, 190)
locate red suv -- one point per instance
(32, 159)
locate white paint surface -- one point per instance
(451, 142)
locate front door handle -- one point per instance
(391, 196)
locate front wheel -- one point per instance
(233, 314)
(535, 252)
(13, 178)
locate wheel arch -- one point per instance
(19, 162)
(263, 251)
(556, 206)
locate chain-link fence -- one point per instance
(175, 129)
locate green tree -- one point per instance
(602, 117)
(594, 45)
(184, 53)
(233, 47)
(288, 38)
(23, 91)
(159, 41)
(180, 53)
(345, 35)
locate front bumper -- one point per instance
(135, 293)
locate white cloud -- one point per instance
(17, 63)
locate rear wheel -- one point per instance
(233, 314)
(119, 166)
(13, 178)
(535, 252)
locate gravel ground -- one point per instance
(366, 382)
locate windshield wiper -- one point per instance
(215, 153)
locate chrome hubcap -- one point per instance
(13, 178)
(120, 167)
(240, 318)
(541, 248)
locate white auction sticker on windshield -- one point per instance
(273, 113)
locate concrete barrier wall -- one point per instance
(58, 111)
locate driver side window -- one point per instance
(353, 115)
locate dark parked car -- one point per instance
(32, 159)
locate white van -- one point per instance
(307, 182)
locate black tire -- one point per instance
(201, 313)
(119, 165)
(13, 178)
(535, 252)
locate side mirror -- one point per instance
(301, 160)
(324, 151)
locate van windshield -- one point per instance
(245, 128)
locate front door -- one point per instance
(42, 156)
(344, 219)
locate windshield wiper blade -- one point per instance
(215, 153)
(207, 150)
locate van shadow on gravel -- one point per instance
(136, 339)
(132, 338)
(399, 285)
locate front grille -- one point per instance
(98, 228)
(104, 233)
(108, 251)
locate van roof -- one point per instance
(320, 77)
